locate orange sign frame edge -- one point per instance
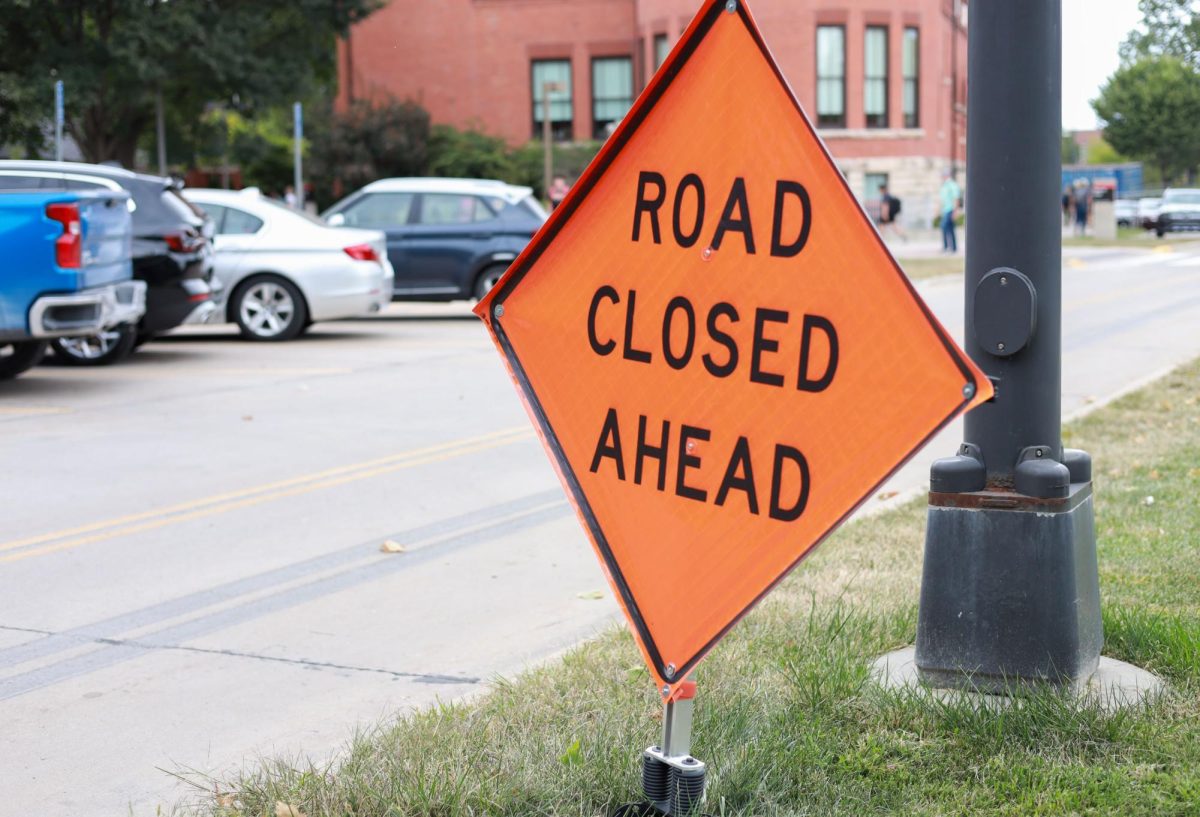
(695, 33)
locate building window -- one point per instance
(662, 47)
(831, 76)
(612, 92)
(912, 75)
(552, 84)
(875, 76)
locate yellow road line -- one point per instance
(419, 455)
(27, 411)
(258, 500)
(1117, 294)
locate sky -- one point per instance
(1092, 32)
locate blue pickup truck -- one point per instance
(65, 270)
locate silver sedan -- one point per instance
(278, 270)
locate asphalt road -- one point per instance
(190, 566)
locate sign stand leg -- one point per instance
(672, 780)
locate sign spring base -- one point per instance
(672, 780)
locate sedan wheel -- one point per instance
(270, 309)
(488, 279)
(101, 349)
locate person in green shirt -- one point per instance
(950, 195)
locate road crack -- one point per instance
(418, 677)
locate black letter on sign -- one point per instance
(693, 181)
(651, 206)
(687, 461)
(782, 189)
(723, 339)
(806, 383)
(740, 461)
(609, 445)
(737, 198)
(677, 303)
(765, 344)
(603, 292)
(786, 452)
(630, 353)
(654, 452)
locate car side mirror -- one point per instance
(336, 220)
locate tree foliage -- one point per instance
(114, 55)
(1150, 111)
(368, 142)
(1170, 28)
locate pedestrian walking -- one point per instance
(289, 197)
(1068, 204)
(1083, 207)
(951, 196)
(557, 192)
(889, 208)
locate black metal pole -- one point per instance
(1010, 588)
(1014, 140)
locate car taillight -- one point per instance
(184, 241)
(68, 247)
(362, 252)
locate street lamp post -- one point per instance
(1010, 590)
(547, 135)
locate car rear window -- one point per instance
(379, 211)
(532, 205)
(1182, 197)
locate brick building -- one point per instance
(885, 82)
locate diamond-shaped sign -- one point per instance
(720, 354)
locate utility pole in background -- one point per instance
(160, 129)
(547, 136)
(1010, 589)
(298, 159)
(59, 116)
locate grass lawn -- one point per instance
(917, 268)
(1129, 237)
(785, 717)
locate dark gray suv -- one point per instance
(448, 239)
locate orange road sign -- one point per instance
(720, 354)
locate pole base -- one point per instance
(1010, 591)
(1115, 685)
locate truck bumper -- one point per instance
(88, 311)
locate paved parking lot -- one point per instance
(191, 556)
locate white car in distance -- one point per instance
(279, 270)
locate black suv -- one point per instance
(172, 251)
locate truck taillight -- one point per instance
(362, 252)
(68, 247)
(184, 241)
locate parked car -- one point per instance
(171, 252)
(279, 269)
(67, 270)
(1147, 212)
(1126, 212)
(447, 239)
(1180, 210)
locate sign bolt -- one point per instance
(498, 311)
(1003, 280)
(666, 690)
(670, 671)
(731, 6)
(706, 253)
(969, 391)
(1000, 347)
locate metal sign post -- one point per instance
(1010, 591)
(298, 139)
(59, 115)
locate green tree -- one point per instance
(1100, 152)
(368, 142)
(1150, 109)
(114, 55)
(468, 154)
(1070, 149)
(1169, 28)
